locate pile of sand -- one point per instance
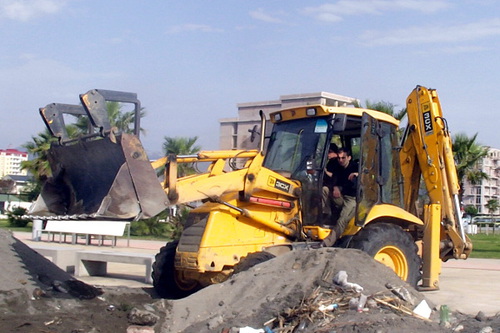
(35, 295)
(26, 275)
(256, 296)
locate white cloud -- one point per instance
(24, 10)
(260, 15)
(434, 33)
(335, 12)
(192, 28)
(463, 49)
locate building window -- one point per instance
(234, 140)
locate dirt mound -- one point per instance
(295, 293)
(26, 273)
(38, 296)
(267, 291)
(291, 292)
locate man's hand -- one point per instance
(352, 176)
(328, 173)
(336, 192)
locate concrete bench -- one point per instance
(63, 258)
(94, 263)
(89, 229)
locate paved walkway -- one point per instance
(128, 275)
(468, 285)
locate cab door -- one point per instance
(368, 188)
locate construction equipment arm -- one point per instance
(427, 154)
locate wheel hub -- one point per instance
(395, 259)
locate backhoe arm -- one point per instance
(427, 154)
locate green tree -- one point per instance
(182, 146)
(467, 154)
(15, 217)
(492, 205)
(386, 107)
(124, 121)
(471, 210)
(38, 149)
(163, 225)
(390, 109)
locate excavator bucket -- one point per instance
(104, 179)
(104, 174)
(108, 178)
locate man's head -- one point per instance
(344, 157)
(333, 151)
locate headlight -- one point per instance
(311, 111)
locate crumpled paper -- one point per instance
(340, 279)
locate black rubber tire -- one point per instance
(165, 282)
(378, 238)
(251, 260)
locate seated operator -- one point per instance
(343, 193)
(328, 181)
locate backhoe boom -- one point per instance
(427, 153)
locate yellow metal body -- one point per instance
(224, 236)
(235, 227)
(378, 212)
(322, 110)
(254, 208)
(427, 153)
(232, 225)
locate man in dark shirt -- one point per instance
(344, 194)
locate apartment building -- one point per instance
(235, 133)
(10, 162)
(478, 195)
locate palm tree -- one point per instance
(38, 148)
(492, 205)
(182, 146)
(117, 118)
(38, 165)
(388, 108)
(467, 154)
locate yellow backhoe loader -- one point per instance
(257, 204)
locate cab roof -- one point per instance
(318, 110)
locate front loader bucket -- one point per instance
(108, 178)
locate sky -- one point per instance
(192, 62)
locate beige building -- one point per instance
(235, 132)
(478, 195)
(10, 162)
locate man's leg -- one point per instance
(325, 201)
(346, 214)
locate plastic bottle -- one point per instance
(362, 302)
(444, 314)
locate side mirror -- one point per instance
(310, 166)
(339, 122)
(253, 132)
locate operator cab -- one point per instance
(298, 149)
